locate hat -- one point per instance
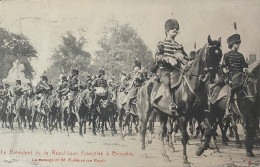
(88, 77)
(101, 72)
(75, 72)
(233, 39)
(18, 82)
(29, 84)
(136, 63)
(192, 55)
(7, 85)
(171, 24)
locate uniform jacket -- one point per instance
(235, 62)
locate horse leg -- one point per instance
(94, 124)
(103, 122)
(225, 139)
(250, 133)
(80, 124)
(162, 133)
(170, 130)
(234, 127)
(184, 140)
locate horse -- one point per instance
(21, 108)
(3, 114)
(125, 120)
(189, 97)
(83, 105)
(105, 110)
(244, 107)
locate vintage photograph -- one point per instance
(130, 83)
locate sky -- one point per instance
(45, 21)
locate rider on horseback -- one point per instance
(135, 83)
(234, 64)
(73, 89)
(43, 90)
(62, 87)
(169, 56)
(18, 91)
(101, 86)
(6, 95)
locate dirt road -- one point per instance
(41, 149)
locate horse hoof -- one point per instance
(172, 149)
(200, 151)
(102, 134)
(186, 164)
(250, 154)
(94, 134)
(238, 143)
(149, 141)
(166, 158)
(225, 143)
(216, 150)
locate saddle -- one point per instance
(158, 90)
(218, 93)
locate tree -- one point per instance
(12, 47)
(119, 46)
(69, 54)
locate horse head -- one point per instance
(207, 59)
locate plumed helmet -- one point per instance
(18, 82)
(171, 24)
(7, 85)
(233, 39)
(101, 72)
(74, 72)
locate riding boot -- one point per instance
(228, 104)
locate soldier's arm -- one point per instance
(159, 51)
(243, 61)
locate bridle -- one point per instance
(206, 71)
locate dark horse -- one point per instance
(106, 112)
(188, 97)
(83, 105)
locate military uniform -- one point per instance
(235, 63)
(170, 55)
(18, 91)
(43, 90)
(62, 87)
(73, 86)
(101, 86)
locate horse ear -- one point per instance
(219, 39)
(209, 39)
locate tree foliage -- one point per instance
(15, 46)
(119, 46)
(69, 54)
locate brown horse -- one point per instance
(190, 97)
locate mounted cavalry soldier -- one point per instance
(18, 91)
(43, 91)
(234, 65)
(6, 95)
(62, 87)
(170, 56)
(100, 86)
(73, 86)
(135, 83)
